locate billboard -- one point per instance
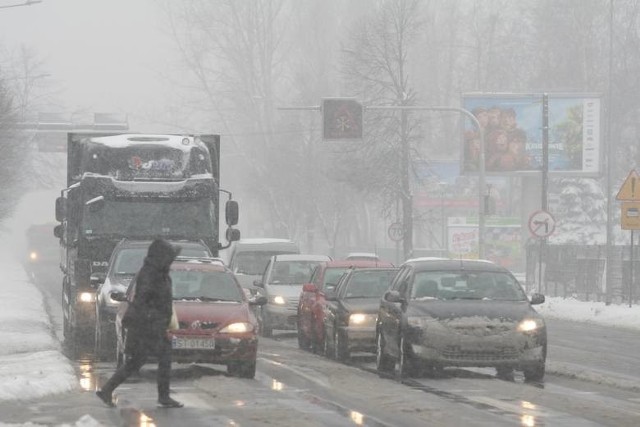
(503, 242)
(512, 127)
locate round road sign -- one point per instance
(396, 231)
(541, 224)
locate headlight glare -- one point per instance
(279, 299)
(237, 328)
(33, 256)
(529, 325)
(87, 297)
(362, 319)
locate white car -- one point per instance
(282, 283)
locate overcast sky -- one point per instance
(104, 55)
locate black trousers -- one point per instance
(138, 357)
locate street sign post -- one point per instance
(541, 224)
(630, 189)
(396, 231)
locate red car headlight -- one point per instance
(237, 328)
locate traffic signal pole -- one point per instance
(408, 238)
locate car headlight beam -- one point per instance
(237, 328)
(87, 297)
(529, 325)
(362, 319)
(279, 300)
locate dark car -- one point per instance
(312, 302)
(466, 313)
(216, 322)
(126, 259)
(350, 316)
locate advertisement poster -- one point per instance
(502, 243)
(513, 134)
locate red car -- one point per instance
(216, 322)
(312, 302)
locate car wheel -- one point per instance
(265, 329)
(406, 365)
(242, 369)
(303, 341)
(384, 363)
(340, 346)
(534, 372)
(328, 349)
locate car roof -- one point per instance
(360, 263)
(132, 243)
(363, 254)
(201, 264)
(265, 243)
(302, 257)
(457, 265)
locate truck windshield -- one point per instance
(184, 219)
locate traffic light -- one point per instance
(342, 119)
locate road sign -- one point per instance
(630, 189)
(630, 216)
(396, 231)
(541, 224)
(342, 119)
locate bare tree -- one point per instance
(377, 68)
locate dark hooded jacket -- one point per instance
(152, 298)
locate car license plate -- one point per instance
(193, 343)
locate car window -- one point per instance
(466, 285)
(331, 277)
(292, 272)
(367, 284)
(203, 285)
(129, 261)
(252, 262)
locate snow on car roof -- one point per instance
(125, 140)
(302, 257)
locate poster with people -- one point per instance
(513, 136)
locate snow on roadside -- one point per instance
(31, 361)
(616, 315)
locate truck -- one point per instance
(137, 186)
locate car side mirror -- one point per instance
(60, 209)
(58, 231)
(118, 296)
(537, 299)
(231, 212)
(330, 295)
(309, 287)
(393, 296)
(97, 279)
(258, 283)
(258, 300)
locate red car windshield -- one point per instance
(205, 286)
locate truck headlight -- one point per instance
(33, 256)
(279, 300)
(87, 297)
(530, 325)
